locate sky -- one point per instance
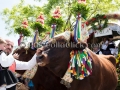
(9, 4)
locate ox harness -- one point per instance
(80, 66)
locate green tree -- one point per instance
(14, 17)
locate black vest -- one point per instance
(97, 52)
(1, 51)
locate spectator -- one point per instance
(111, 45)
(104, 47)
(96, 50)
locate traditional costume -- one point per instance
(111, 47)
(105, 49)
(7, 78)
(98, 52)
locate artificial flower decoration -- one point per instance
(99, 22)
(23, 28)
(57, 13)
(81, 1)
(25, 23)
(39, 24)
(40, 18)
(55, 21)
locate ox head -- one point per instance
(56, 53)
(25, 54)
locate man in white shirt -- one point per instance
(19, 64)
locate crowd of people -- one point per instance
(106, 47)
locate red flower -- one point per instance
(104, 16)
(87, 23)
(57, 13)
(115, 15)
(25, 22)
(93, 19)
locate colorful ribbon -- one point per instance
(80, 64)
(77, 30)
(20, 39)
(35, 39)
(53, 30)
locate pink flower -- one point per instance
(81, 1)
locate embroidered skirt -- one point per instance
(7, 78)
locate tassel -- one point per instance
(20, 39)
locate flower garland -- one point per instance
(99, 20)
(23, 29)
(108, 16)
(39, 24)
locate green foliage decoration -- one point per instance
(23, 30)
(80, 8)
(58, 21)
(97, 21)
(38, 26)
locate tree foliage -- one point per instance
(14, 17)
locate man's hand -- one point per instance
(16, 56)
(39, 50)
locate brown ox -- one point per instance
(44, 79)
(104, 76)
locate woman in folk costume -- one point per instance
(7, 78)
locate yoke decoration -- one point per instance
(23, 31)
(55, 21)
(80, 66)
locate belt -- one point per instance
(2, 68)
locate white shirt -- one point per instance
(20, 65)
(104, 45)
(5, 60)
(100, 52)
